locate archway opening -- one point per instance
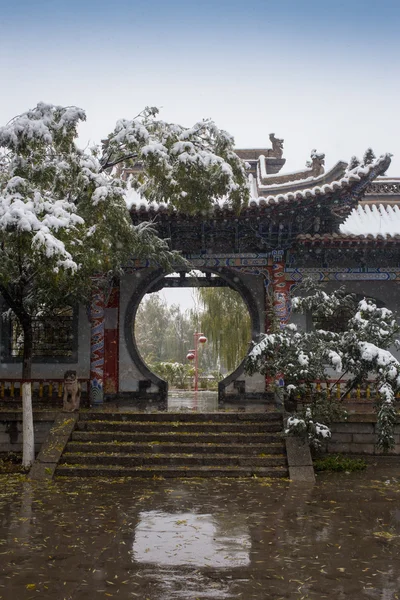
(177, 307)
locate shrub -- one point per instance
(339, 463)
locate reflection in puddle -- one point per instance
(190, 539)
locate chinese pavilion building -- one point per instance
(340, 227)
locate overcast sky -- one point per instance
(321, 74)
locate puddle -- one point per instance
(199, 540)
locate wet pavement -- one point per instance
(189, 401)
(203, 539)
(200, 401)
(206, 401)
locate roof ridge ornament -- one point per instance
(277, 146)
(317, 163)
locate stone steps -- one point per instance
(178, 448)
(175, 445)
(178, 427)
(174, 437)
(165, 472)
(182, 417)
(133, 460)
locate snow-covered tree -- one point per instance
(188, 167)
(63, 216)
(352, 339)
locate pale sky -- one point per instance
(321, 74)
(182, 296)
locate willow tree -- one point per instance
(225, 320)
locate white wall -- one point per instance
(129, 375)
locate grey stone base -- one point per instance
(358, 435)
(299, 460)
(50, 453)
(11, 428)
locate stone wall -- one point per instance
(358, 436)
(11, 429)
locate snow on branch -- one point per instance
(40, 124)
(352, 338)
(188, 168)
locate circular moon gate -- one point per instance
(149, 282)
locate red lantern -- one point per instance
(190, 355)
(202, 339)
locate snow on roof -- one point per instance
(358, 174)
(353, 176)
(376, 220)
(133, 198)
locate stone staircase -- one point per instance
(175, 445)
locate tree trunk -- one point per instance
(25, 320)
(28, 440)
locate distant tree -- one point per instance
(151, 324)
(353, 163)
(163, 332)
(368, 157)
(225, 320)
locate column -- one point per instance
(281, 304)
(111, 352)
(97, 343)
(281, 292)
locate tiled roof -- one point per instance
(358, 178)
(376, 220)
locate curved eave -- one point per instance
(335, 174)
(352, 185)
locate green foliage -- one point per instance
(339, 463)
(188, 168)
(226, 321)
(177, 374)
(387, 416)
(312, 419)
(163, 333)
(62, 218)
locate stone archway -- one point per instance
(147, 282)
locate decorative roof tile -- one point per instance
(355, 181)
